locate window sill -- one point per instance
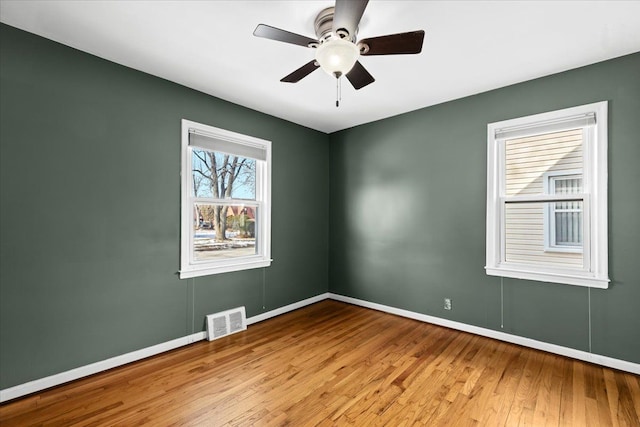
(563, 278)
(207, 270)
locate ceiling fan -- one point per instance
(337, 49)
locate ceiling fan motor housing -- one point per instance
(324, 27)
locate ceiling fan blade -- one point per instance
(359, 77)
(273, 33)
(393, 44)
(347, 15)
(301, 72)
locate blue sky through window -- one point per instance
(244, 185)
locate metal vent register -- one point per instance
(226, 323)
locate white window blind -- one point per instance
(558, 125)
(227, 145)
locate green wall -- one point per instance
(408, 199)
(90, 193)
(90, 207)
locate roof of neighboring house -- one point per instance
(237, 210)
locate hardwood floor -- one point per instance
(337, 364)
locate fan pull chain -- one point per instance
(338, 91)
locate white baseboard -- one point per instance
(94, 368)
(286, 308)
(610, 362)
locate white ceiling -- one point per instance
(469, 47)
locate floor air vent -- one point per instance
(226, 323)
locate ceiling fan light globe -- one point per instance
(337, 56)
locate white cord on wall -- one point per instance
(502, 302)
(264, 288)
(589, 301)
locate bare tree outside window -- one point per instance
(222, 176)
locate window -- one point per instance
(226, 194)
(547, 197)
(563, 220)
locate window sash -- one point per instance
(580, 121)
(544, 198)
(586, 234)
(191, 166)
(257, 203)
(258, 224)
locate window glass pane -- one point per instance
(525, 235)
(528, 159)
(568, 228)
(222, 176)
(569, 185)
(223, 231)
(567, 215)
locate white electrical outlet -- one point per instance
(447, 303)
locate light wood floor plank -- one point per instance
(334, 364)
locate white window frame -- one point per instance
(593, 120)
(189, 267)
(550, 244)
